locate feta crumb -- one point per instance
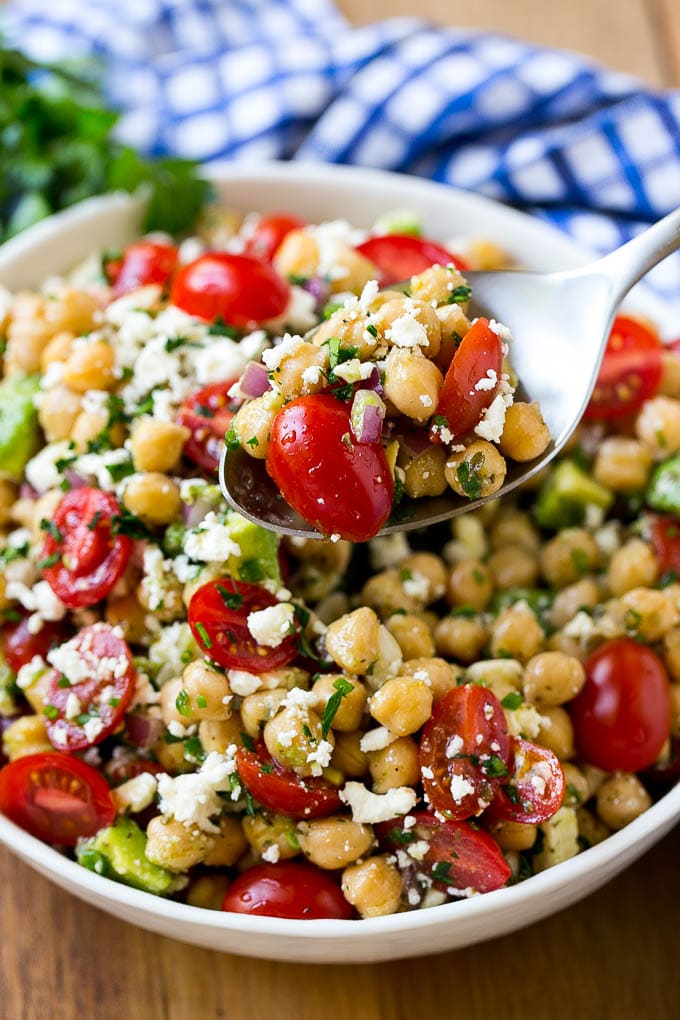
(72, 708)
(416, 586)
(492, 422)
(193, 798)
(454, 745)
(461, 788)
(354, 370)
(487, 382)
(377, 807)
(312, 375)
(320, 757)
(427, 772)
(376, 739)
(93, 728)
(30, 671)
(272, 625)
(406, 331)
(136, 794)
(211, 541)
(272, 853)
(273, 357)
(243, 683)
(500, 330)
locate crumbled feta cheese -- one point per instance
(300, 313)
(30, 672)
(454, 746)
(72, 708)
(500, 330)
(193, 798)
(41, 471)
(354, 370)
(243, 683)
(406, 331)
(389, 661)
(376, 739)
(416, 586)
(461, 788)
(487, 382)
(172, 649)
(312, 375)
(39, 600)
(490, 427)
(425, 400)
(372, 808)
(427, 772)
(69, 662)
(418, 850)
(333, 238)
(320, 757)
(136, 794)
(93, 729)
(272, 853)
(389, 550)
(272, 625)
(223, 358)
(608, 538)
(211, 541)
(582, 626)
(273, 357)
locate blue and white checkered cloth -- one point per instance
(589, 149)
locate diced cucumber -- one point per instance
(119, 852)
(19, 433)
(399, 221)
(259, 559)
(565, 495)
(663, 492)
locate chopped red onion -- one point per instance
(194, 513)
(76, 480)
(372, 383)
(143, 731)
(366, 416)
(27, 491)
(254, 381)
(319, 289)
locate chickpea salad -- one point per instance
(305, 729)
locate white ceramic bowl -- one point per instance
(317, 193)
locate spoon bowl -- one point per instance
(560, 323)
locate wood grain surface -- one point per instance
(615, 955)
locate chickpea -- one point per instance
(514, 528)
(297, 255)
(437, 284)
(634, 565)
(219, 734)
(513, 567)
(439, 674)
(292, 736)
(429, 574)
(207, 693)
(622, 464)
(334, 842)
(44, 509)
(257, 709)
(413, 635)
(8, 495)
(57, 349)
(351, 709)
(476, 472)
(90, 366)
(352, 641)
(208, 892)
(552, 678)
(649, 614)
(424, 474)
(671, 653)
(469, 584)
(620, 800)
(556, 732)
(27, 334)
(591, 828)
(568, 556)
(265, 830)
(302, 370)
(72, 311)
(127, 613)
(525, 434)
(395, 765)
(460, 637)
(517, 633)
(351, 330)
(175, 846)
(577, 789)
(228, 845)
(154, 497)
(412, 383)
(658, 426)
(348, 758)
(373, 887)
(670, 374)
(594, 777)
(252, 423)
(403, 705)
(26, 735)
(385, 593)
(157, 445)
(57, 412)
(171, 757)
(513, 835)
(329, 557)
(583, 594)
(169, 694)
(401, 308)
(89, 425)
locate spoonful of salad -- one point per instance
(411, 405)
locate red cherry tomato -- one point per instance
(622, 716)
(536, 788)
(20, 645)
(296, 891)
(237, 288)
(480, 352)
(207, 414)
(458, 857)
(55, 797)
(218, 617)
(401, 256)
(89, 558)
(143, 262)
(464, 751)
(282, 790)
(102, 682)
(348, 487)
(269, 233)
(630, 373)
(664, 532)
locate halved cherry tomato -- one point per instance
(622, 716)
(348, 488)
(207, 414)
(269, 233)
(480, 353)
(55, 797)
(84, 708)
(401, 256)
(630, 373)
(664, 532)
(458, 857)
(218, 617)
(282, 790)
(20, 645)
(464, 751)
(236, 288)
(143, 262)
(296, 891)
(89, 558)
(535, 789)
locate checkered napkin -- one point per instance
(588, 149)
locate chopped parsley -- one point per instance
(441, 870)
(221, 328)
(468, 472)
(13, 552)
(247, 742)
(251, 570)
(204, 636)
(200, 701)
(49, 561)
(231, 599)
(512, 700)
(372, 329)
(253, 441)
(402, 836)
(51, 711)
(126, 523)
(95, 520)
(51, 528)
(120, 471)
(342, 689)
(494, 767)
(182, 703)
(459, 295)
(231, 440)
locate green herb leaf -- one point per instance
(51, 528)
(512, 700)
(182, 703)
(459, 295)
(204, 636)
(342, 689)
(231, 599)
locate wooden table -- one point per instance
(614, 955)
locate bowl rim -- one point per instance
(643, 830)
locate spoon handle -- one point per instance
(631, 261)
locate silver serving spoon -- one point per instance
(560, 324)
